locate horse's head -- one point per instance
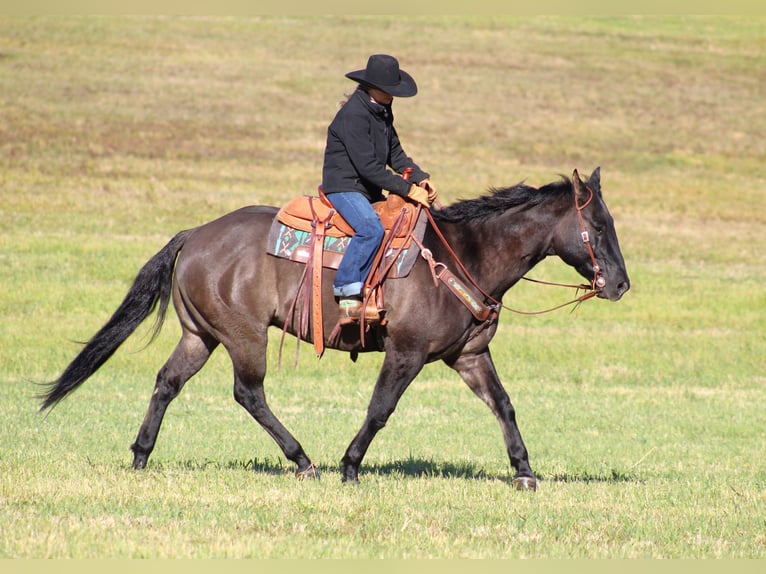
(586, 240)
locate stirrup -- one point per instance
(351, 310)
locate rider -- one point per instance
(361, 143)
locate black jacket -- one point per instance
(361, 142)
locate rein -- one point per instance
(597, 284)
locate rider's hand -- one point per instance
(432, 194)
(419, 194)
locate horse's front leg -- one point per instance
(478, 372)
(397, 372)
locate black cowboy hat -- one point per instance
(383, 73)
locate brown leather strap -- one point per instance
(459, 289)
(440, 272)
(373, 288)
(316, 284)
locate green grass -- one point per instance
(644, 419)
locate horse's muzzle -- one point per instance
(614, 292)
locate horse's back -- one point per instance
(238, 234)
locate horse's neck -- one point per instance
(498, 251)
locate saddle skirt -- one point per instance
(293, 231)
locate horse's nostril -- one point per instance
(623, 286)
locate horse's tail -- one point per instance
(152, 285)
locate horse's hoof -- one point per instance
(350, 477)
(525, 483)
(311, 472)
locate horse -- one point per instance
(227, 290)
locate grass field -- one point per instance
(644, 419)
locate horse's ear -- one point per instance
(595, 180)
(577, 183)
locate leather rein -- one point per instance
(596, 286)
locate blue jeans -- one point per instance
(357, 260)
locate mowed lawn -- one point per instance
(644, 418)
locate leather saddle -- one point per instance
(301, 213)
(316, 216)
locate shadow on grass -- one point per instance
(414, 467)
(410, 467)
(609, 476)
(267, 466)
(417, 467)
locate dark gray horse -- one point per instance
(227, 290)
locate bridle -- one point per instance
(596, 286)
(598, 282)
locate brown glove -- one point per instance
(432, 194)
(419, 194)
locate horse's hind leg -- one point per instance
(249, 371)
(189, 356)
(478, 372)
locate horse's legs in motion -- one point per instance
(249, 361)
(189, 356)
(478, 372)
(396, 374)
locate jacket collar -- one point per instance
(379, 110)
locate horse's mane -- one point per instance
(501, 200)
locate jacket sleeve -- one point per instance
(361, 151)
(400, 161)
